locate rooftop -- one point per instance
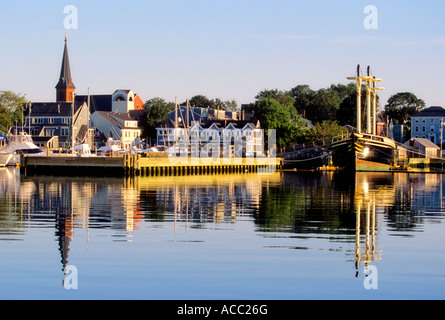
(430, 112)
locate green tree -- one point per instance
(283, 97)
(283, 118)
(401, 106)
(324, 131)
(230, 105)
(202, 101)
(347, 111)
(11, 109)
(319, 105)
(157, 112)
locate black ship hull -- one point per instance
(363, 152)
(310, 159)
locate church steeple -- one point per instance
(65, 87)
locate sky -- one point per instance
(230, 49)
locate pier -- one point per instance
(136, 165)
(420, 165)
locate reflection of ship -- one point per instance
(364, 151)
(369, 228)
(373, 192)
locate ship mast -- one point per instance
(368, 101)
(370, 114)
(374, 106)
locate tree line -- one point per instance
(299, 115)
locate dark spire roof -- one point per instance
(65, 80)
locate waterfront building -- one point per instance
(428, 124)
(59, 124)
(118, 126)
(228, 133)
(419, 148)
(121, 100)
(118, 116)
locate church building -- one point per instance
(63, 123)
(79, 119)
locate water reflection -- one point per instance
(343, 208)
(344, 211)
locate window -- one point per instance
(417, 129)
(119, 98)
(423, 129)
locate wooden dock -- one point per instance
(424, 165)
(135, 165)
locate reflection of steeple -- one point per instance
(64, 233)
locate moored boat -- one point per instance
(363, 152)
(18, 144)
(306, 159)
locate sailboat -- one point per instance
(364, 150)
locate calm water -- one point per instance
(281, 236)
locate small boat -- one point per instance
(111, 147)
(17, 145)
(83, 150)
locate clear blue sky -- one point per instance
(228, 49)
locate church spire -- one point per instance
(65, 87)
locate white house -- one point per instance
(122, 101)
(231, 138)
(119, 126)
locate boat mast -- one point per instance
(374, 103)
(72, 125)
(88, 122)
(368, 101)
(176, 112)
(358, 81)
(370, 89)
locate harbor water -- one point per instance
(279, 236)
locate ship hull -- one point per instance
(306, 159)
(363, 152)
(305, 164)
